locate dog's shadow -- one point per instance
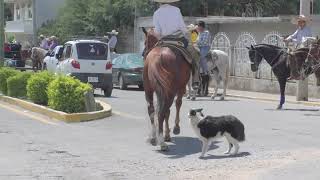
(241, 154)
(185, 146)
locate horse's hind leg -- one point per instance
(151, 112)
(176, 129)
(167, 137)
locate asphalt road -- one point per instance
(280, 144)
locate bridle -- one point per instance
(272, 63)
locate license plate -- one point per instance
(93, 79)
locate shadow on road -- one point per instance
(215, 100)
(287, 109)
(185, 146)
(129, 89)
(241, 154)
(315, 115)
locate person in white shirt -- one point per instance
(113, 40)
(168, 20)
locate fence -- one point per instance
(239, 57)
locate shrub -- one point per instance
(17, 85)
(5, 73)
(37, 87)
(67, 94)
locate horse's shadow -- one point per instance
(185, 146)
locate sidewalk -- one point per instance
(269, 97)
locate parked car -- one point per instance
(88, 61)
(51, 62)
(12, 53)
(127, 70)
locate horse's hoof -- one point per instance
(213, 97)
(164, 147)
(222, 99)
(188, 97)
(279, 107)
(167, 139)
(193, 98)
(176, 130)
(153, 141)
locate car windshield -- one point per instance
(92, 51)
(135, 60)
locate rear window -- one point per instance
(92, 51)
(135, 60)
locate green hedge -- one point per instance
(17, 85)
(37, 87)
(5, 73)
(67, 94)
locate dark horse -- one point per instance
(277, 58)
(166, 72)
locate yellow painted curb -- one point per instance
(306, 103)
(69, 118)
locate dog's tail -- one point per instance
(239, 130)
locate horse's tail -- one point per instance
(161, 78)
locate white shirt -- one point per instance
(168, 20)
(113, 41)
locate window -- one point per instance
(67, 52)
(18, 12)
(92, 51)
(29, 11)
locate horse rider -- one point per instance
(203, 43)
(43, 42)
(54, 43)
(297, 37)
(113, 40)
(168, 21)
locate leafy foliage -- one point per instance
(17, 85)
(6, 73)
(67, 94)
(37, 87)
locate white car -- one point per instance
(51, 62)
(89, 61)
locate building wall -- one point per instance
(47, 10)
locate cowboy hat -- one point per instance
(191, 27)
(300, 18)
(166, 1)
(114, 32)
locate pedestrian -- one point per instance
(203, 43)
(113, 40)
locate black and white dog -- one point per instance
(211, 128)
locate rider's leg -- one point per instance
(195, 72)
(294, 74)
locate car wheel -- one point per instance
(122, 84)
(44, 67)
(107, 92)
(141, 86)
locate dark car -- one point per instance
(127, 70)
(12, 52)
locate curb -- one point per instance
(69, 118)
(306, 103)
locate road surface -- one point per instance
(280, 144)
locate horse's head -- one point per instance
(151, 39)
(255, 58)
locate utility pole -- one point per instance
(302, 88)
(2, 32)
(34, 23)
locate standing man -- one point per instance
(54, 43)
(113, 40)
(168, 20)
(203, 43)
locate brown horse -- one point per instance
(37, 56)
(166, 72)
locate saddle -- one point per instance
(177, 45)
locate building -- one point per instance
(28, 16)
